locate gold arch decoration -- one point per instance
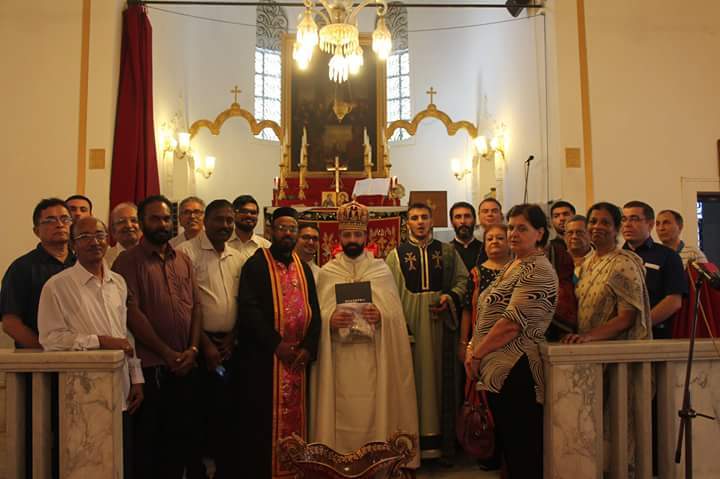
(235, 110)
(432, 112)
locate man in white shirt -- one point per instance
(84, 307)
(125, 228)
(307, 246)
(217, 270)
(244, 238)
(190, 217)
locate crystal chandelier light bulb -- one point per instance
(381, 40)
(338, 68)
(355, 61)
(307, 30)
(301, 56)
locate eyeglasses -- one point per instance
(631, 219)
(309, 238)
(66, 220)
(286, 229)
(244, 211)
(197, 213)
(99, 236)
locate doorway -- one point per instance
(708, 220)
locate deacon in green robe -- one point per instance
(431, 279)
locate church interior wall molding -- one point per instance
(235, 110)
(431, 111)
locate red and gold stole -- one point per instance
(292, 311)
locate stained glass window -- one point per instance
(398, 69)
(271, 23)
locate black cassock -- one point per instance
(257, 340)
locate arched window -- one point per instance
(271, 23)
(398, 69)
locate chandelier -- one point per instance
(340, 36)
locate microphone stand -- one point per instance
(527, 175)
(687, 413)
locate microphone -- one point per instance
(530, 158)
(711, 277)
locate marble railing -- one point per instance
(619, 379)
(89, 405)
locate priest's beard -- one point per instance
(352, 250)
(464, 232)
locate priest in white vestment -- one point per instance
(362, 389)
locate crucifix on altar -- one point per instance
(336, 169)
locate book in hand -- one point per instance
(353, 297)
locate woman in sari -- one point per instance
(612, 297)
(613, 300)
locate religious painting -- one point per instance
(437, 201)
(336, 116)
(329, 199)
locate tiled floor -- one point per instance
(464, 468)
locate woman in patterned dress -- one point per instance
(504, 354)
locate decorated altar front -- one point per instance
(386, 228)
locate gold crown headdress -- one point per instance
(352, 216)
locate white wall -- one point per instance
(655, 110)
(40, 47)
(499, 65)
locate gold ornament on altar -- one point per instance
(340, 36)
(353, 216)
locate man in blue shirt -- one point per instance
(664, 275)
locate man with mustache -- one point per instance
(190, 216)
(125, 229)
(165, 316)
(307, 246)
(217, 271)
(432, 281)
(365, 380)
(84, 307)
(244, 238)
(279, 326)
(470, 249)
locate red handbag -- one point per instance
(475, 426)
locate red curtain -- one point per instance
(134, 165)
(709, 309)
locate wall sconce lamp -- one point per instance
(460, 169)
(180, 146)
(489, 149)
(205, 167)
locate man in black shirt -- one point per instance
(470, 249)
(20, 295)
(664, 275)
(26, 276)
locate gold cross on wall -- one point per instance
(236, 91)
(432, 93)
(337, 169)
